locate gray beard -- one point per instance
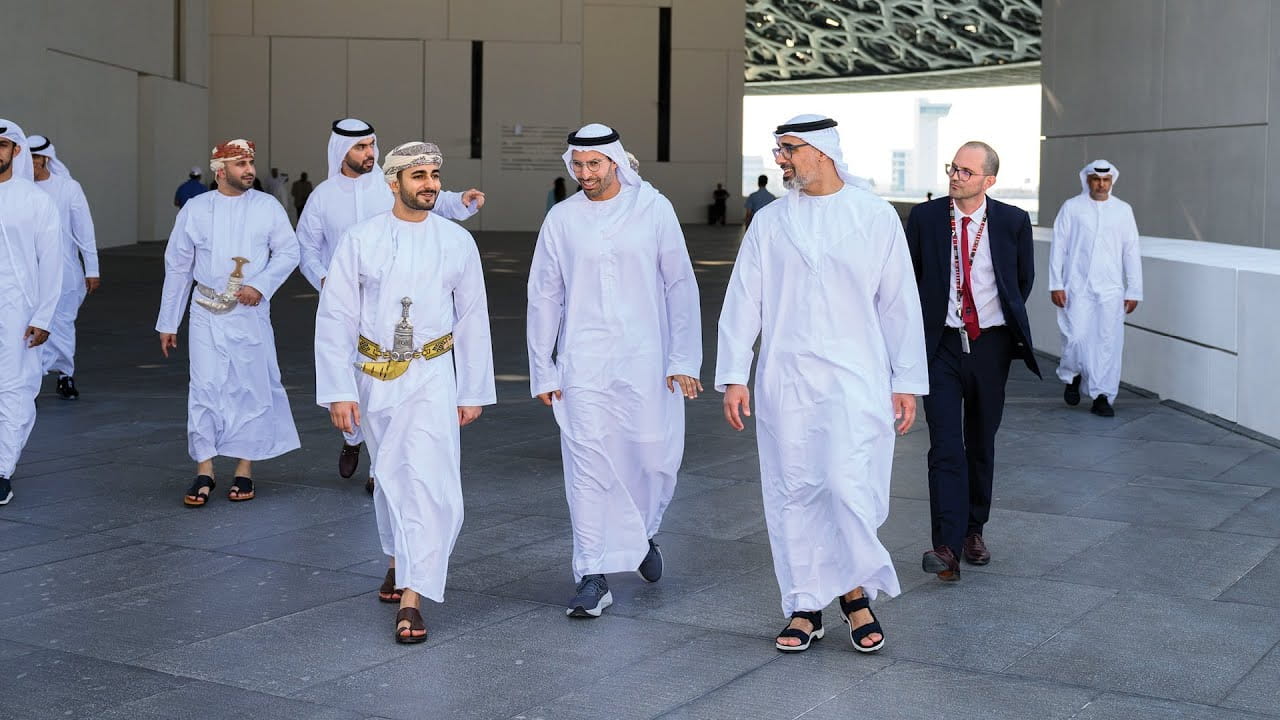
(795, 183)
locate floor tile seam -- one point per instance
(1233, 516)
(1097, 694)
(116, 531)
(1167, 525)
(1266, 488)
(1093, 546)
(1103, 690)
(294, 695)
(1246, 459)
(862, 679)
(1245, 676)
(717, 688)
(130, 542)
(20, 475)
(588, 682)
(202, 640)
(1072, 622)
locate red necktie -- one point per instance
(968, 308)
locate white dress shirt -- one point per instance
(982, 274)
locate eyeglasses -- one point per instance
(784, 150)
(962, 174)
(592, 165)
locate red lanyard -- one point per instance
(955, 254)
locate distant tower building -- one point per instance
(927, 171)
(898, 173)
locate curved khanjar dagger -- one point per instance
(219, 303)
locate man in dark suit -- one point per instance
(974, 265)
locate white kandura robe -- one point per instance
(236, 405)
(30, 283)
(612, 292)
(78, 241)
(827, 284)
(410, 422)
(1095, 257)
(339, 202)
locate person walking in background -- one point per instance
(191, 188)
(80, 274)
(719, 205)
(757, 200)
(1095, 279)
(301, 190)
(557, 193)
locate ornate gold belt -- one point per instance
(391, 365)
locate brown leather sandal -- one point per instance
(404, 635)
(388, 592)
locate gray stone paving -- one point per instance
(1136, 571)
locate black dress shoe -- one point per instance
(941, 560)
(348, 460)
(1101, 407)
(1071, 395)
(67, 387)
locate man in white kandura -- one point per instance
(824, 279)
(80, 260)
(1095, 279)
(405, 289)
(30, 284)
(612, 294)
(353, 192)
(238, 246)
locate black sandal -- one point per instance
(388, 592)
(805, 638)
(242, 487)
(368, 485)
(860, 633)
(405, 635)
(194, 498)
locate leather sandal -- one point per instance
(861, 632)
(805, 638)
(388, 592)
(195, 498)
(242, 487)
(404, 635)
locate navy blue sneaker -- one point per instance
(591, 598)
(6, 491)
(651, 567)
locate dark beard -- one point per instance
(4, 166)
(240, 185)
(411, 201)
(357, 168)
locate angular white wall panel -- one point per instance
(173, 129)
(384, 88)
(240, 90)
(377, 19)
(501, 20)
(620, 74)
(133, 34)
(308, 92)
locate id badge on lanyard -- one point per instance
(964, 341)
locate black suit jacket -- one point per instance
(1008, 233)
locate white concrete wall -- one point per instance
(282, 70)
(120, 89)
(1205, 335)
(1178, 94)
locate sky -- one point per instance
(873, 125)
